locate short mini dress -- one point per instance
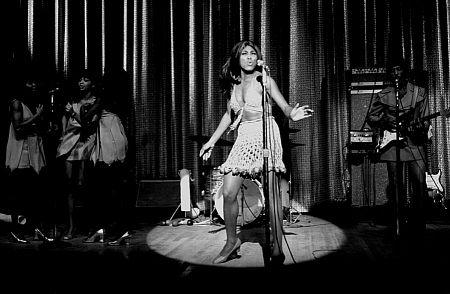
(74, 145)
(246, 155)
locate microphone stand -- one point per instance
(398, 216)
(53, 146)
(265, 177)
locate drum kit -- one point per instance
(250, 197)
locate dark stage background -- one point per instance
(173, 51)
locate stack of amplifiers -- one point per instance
(365, 83)
(158, 193)
(368, 177)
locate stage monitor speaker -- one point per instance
(158, 193)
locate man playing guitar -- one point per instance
(411, 135)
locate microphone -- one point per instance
(259, 79)
(262, 64)
(52, 91)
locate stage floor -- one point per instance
(360, 256)
(200, 243)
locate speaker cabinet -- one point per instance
(369, 182)
(369, 178)
(158, 193)
(359, 106)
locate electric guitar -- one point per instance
(435, 190)
(407, 128)
(434, 181)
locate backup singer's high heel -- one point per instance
(96, 237)
(18, 239)
(122, 240)
(38, 235)
(21, 219)
(230, 255)
(67, 237)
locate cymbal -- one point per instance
(292, 144)
(204, 139)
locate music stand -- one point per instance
(291, 208)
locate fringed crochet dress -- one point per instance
(246, 156)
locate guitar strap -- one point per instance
(416, 93)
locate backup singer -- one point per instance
(25, 159)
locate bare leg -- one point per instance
(231, 186)
(70, 205)
(71, 186)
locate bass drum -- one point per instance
(250, 200)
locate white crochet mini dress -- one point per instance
(246, 156)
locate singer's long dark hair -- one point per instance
(231, 70)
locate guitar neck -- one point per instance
(431, 116)
(422, 119)
(444, 112)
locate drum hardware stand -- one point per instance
(289, 214)
(176, 209)
(212, 194)
(211, 209)
(290, 202)
(297, 219)
(244, 203)
(291, 208)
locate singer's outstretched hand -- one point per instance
(206, 150)
(300, 112)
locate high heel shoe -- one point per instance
(123, 240)
(69, 234)
(18, 239)
(230, 255)
(67, 237)
(22, 219)
(277, 260)
(39, 236)
(96, 237)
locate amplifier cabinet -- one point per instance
(158, 193)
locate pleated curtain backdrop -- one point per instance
(173, 51)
